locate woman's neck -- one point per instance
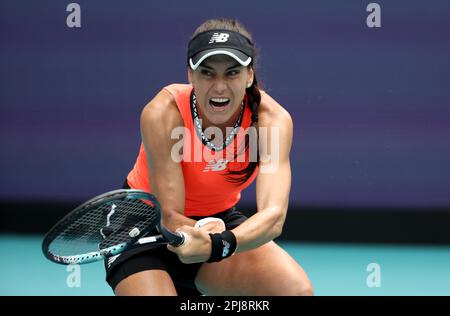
(223, 126)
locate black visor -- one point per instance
(217, 42)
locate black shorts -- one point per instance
(141, 259)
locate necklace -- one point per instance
(199, 130)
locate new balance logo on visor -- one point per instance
(219, 38)
(216, 165)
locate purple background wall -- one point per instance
(371, 107)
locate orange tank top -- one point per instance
(207, 188)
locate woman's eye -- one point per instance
(206, 73)
(233, 72)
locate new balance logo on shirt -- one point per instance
(219, 38)
(216, 165)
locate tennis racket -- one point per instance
(108, 225)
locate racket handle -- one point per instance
(175, 239)
(182, 240)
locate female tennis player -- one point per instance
(201, 174)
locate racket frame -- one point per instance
(165, 237)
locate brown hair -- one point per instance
(253, 94)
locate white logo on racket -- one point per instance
(219, 38)
(108, 219)
(134, 232)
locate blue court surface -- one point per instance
(334, 269)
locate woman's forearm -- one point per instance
(173, 220)
(259, 229)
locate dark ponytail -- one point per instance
(253, 101)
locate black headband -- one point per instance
(219, 41)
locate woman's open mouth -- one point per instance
(219, 104)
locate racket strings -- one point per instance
(104, 226)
